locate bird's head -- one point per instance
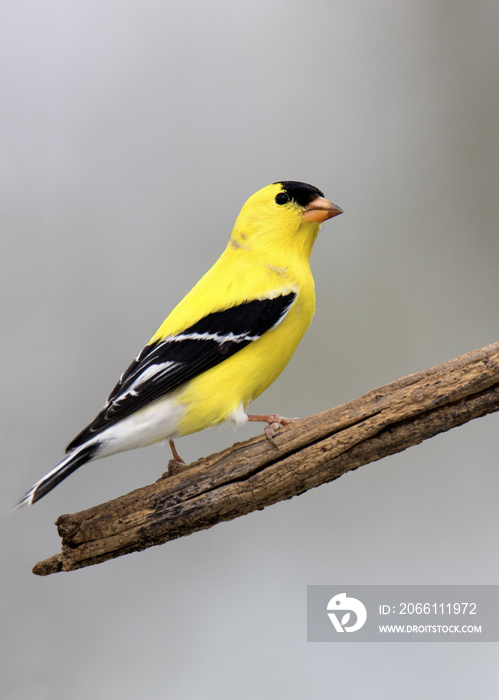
(286, 213)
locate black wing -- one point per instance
(165, 365)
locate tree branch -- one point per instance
(251, 475)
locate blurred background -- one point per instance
(131, 134)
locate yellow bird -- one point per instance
(224, 343)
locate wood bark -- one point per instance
(252, 475)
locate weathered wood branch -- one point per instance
(251, 475)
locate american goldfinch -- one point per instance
(224, 343)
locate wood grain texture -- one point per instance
(252, 475)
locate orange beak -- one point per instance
(319, 210)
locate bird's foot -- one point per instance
(176, 464)
(274, 423)
(176, 467)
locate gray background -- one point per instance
(132, 132)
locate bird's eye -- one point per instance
(282, 198)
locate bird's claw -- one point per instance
(270, 431)
(274, 423)
(176, 466)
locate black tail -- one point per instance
(76, 459)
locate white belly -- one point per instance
(158, 421)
